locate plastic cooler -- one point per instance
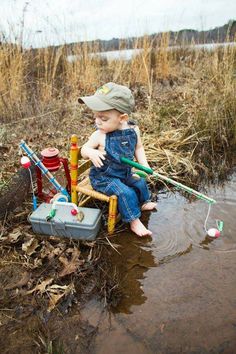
(64, 223)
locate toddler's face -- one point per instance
(108, 121)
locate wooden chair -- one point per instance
(84, 188)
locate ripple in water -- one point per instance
(179, 225)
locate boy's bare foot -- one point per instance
(149, 206)
(139, 229)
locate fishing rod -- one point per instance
(34, 158)
(149, 171)
(212, 232)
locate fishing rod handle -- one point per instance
(136, 165)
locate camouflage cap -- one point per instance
(110, 96)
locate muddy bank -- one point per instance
(42, 281)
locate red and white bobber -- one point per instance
(25, 162)
(213, 232)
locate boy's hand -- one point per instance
(96, 156)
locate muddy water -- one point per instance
(179, 286)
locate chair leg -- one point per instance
(74, 168)
(112, 214)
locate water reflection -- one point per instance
(135, 260)
(206, 242)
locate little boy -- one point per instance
(116, 137)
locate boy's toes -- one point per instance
(149, 206)
(146, 233)
(139, 229)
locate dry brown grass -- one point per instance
(185, 99)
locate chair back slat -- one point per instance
(84, 167)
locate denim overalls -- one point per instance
(116, 178)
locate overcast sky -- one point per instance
(59, 21)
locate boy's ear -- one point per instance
(124, 117)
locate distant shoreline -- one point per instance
(127, 54)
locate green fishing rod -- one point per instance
(149, 171)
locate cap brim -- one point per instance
(94, 103)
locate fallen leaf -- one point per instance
(14, 235)
(55, 288)
(54, 298)
(41, 287)
(46, 249)
(50, 251)
(72, 265)
(30, 246)
(55, 294)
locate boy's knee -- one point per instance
(128, 193)
(124, 191)
(141, 183)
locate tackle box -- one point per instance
(83, 226)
